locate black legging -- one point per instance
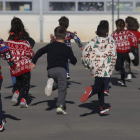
(23, 84)
(121, 57)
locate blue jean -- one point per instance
(106, 82)
(1, 116)
(67, 64)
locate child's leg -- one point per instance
(67, 64)
(98, 88)
(1, 116)
(25, 84)
(106, 82)
(62, 86)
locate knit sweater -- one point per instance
(99, 55)
(6, 55)
(136, 41)
(57, 55)
(123, 40)
(22, 53)
(69, 36)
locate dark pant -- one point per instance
(1, 116)
(60, 77)
(121, 57)
(23, 84)
(106, 82)
(98, 88)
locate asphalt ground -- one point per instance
(83, 121)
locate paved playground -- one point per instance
(83, 121)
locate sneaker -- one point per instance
(131, 56)
(23, 103)
(60, 110)
(87, 94)
(68, 76)
(104, 108)
(121, 82)
(106, 92)
(49, 87)
(129, 77)
(15, 97)
(2, 125)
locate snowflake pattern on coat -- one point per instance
(99, 55)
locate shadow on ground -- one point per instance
(72, 82)
(52, 104)
(94, 106)
(29, 99)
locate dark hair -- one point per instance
(120, 24)
(17, 30)
(102, 30)
(64, 21)
(60, 32)
(132, 23)
(105, 22)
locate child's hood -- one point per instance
(101, 43)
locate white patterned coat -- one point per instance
(99, 55)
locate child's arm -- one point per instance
(52, 38)
(6, 54)
(71, 56)
(38, 54)
(77, 40)
(29, 52)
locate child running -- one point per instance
(108, 79)
(6, 55)
(22, 53)
(58, 54)
(122, 39)
(99, 55)
(132, 26)
(64, 22)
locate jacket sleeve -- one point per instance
(71, 56)
(39, 53)
(6, 54)
(52, 38)
(29, 52)
(31, 41)
(113, 59)
(76, 39)
(87, 52)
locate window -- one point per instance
(123, 6)
(90, 6)
(138, 6)
(18, 6)
(61, 6)
(1, 6)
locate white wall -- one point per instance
(85, 25)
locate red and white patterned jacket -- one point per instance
(22, 53)
(123, 40)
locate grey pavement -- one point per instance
(40, 121)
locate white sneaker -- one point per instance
(131, 56)
(60, 110)
(15, 97)
(68, 76)
(49, 87)
(129, 77)
(2, 125)
(23, 103)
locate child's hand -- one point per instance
(81, 48)
(32, 65)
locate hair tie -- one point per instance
(12, 33)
